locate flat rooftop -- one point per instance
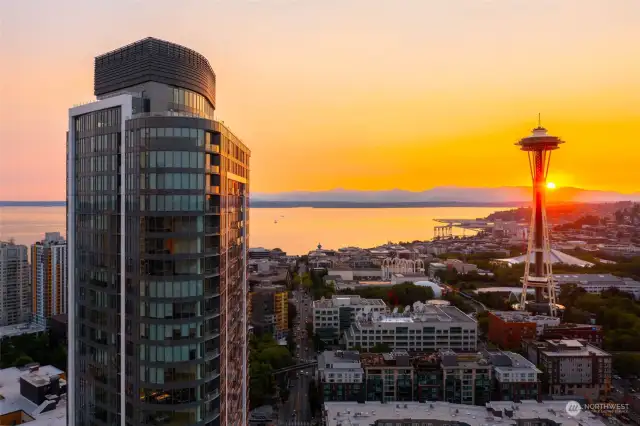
(515, 316)
(429, 314)
(19, 329)
(12, 400)
(335, 357)
(351, 413)
(346, 300)
(507, 362)
(571, 347)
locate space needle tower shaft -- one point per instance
(539, 146)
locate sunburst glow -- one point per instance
(551, 185)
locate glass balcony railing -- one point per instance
(212, 271)
(167, 114)
(213, 169)
(213, 189)
(212, 230)
(211, 147)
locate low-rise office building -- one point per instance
(331, 317)
(597, 283)
(527, 413)
(429, 329)
(507, 329)
(571, 367)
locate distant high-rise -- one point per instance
(157, 233)
(49, 277)
(15, 289)
(539, 146)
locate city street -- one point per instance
(297, 409)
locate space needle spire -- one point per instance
(538, 274)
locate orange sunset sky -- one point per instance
(356, 94)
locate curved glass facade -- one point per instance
(158, 324)
(184, 100)
(178, 321)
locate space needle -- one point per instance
(539, 275)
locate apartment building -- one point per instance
(571, 367)
(514, 378)
(427, 378)
(389, 376)
(269, 310)
(49, 277)
(427, 329)
(331, 317)
(157, 232)
(466, 378)
(15, 286)
(340, 376)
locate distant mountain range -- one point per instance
(439, 196)
(445, 195)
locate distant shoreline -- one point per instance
(313, 204)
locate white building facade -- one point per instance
(432, 329)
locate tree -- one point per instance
(22, 361)
(265, 356)
(483, 322)
(626, 364)
(314, 397)
(380, 348)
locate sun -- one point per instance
(551, 185)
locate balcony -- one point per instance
(213, 290)
(212, 148)
(211, 355)
(213, 169)
(213, 189)
(212, 333)
(212, 395)
(212, 313)
(212, 271)
(212, 209)
(212, 230)
(212, 250)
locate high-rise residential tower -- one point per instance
(157, 234)
(15, 288)
(49, 277)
